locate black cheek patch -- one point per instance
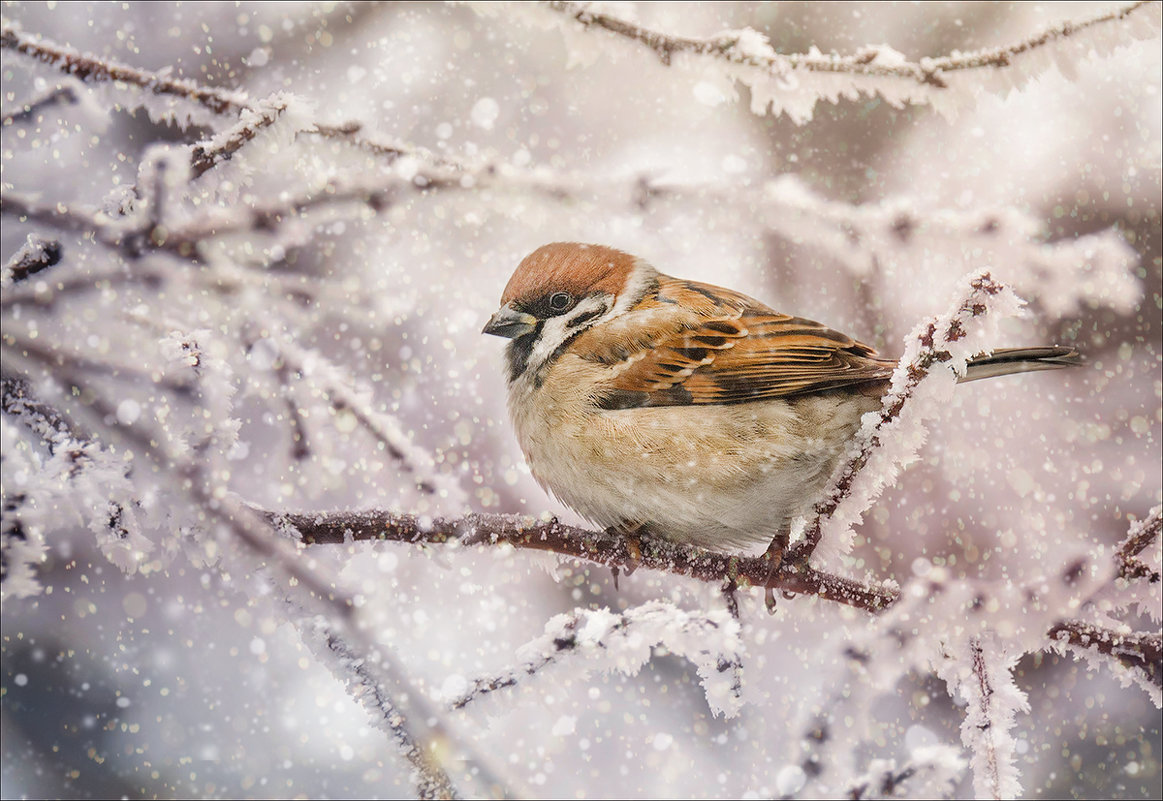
(519, 350)
(584, 317)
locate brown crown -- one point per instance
(570, 267)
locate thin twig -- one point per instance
(59, 96)
(984, 702)
(1140, 535)
(931, 354)
(88, 68)
(1138, 651)
(927, 72)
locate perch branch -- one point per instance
(603, 548)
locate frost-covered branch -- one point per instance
(1060, 276)
(603, 548)
(992, 702)
(952, 339)
(602, 640)
(929, 772)
(342, 393)
(35, 255)
(93, 69)
(795, 83)
(58, 96)
(133, 239)
(361, 672)
(413, 725)
(1138, 652)
(1142, 534)
(204, 156)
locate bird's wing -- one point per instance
(736, 350)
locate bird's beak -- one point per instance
(510, 323)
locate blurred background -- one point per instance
(187, 679)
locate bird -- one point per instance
(657, 406)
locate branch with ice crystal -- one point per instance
(931, 771)
(588, 640)
(57, 96)
(1133, 657)
(202, 104)
(361, 674)
(980, 673)
(415, 727)
(77, 482)
(182, 101)
(344, 396)
(34, 256)
(889, 440)
(1105, 643)
(1061, 276)
(1142, 535)
(605, 548)
(794, 84)
(952, 627)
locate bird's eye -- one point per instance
(560, 301)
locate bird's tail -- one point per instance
(1021, 360)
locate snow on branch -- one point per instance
(361, 671)
(980, 672)
(930, 772)
(78, 481)
(890, 439)
(600, 547)
(1133, 657)
(1106, 643)
(970, 633)
(589, 640)
(793, 84)
(1061, 277)
(345, 396)
(179, 98)
(401, 709)
(57, 96)
(1143, 534)
(35, 255)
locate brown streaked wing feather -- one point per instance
(740, 351)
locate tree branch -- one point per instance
(602, 548)
(35, 255)
(58, 96)
(1140, 535)
(1141, 652)
(415, 728)
(92, 69)
(730, 48)
(934, 341)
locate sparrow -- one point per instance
(654, 405)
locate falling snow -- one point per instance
(248, 250)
